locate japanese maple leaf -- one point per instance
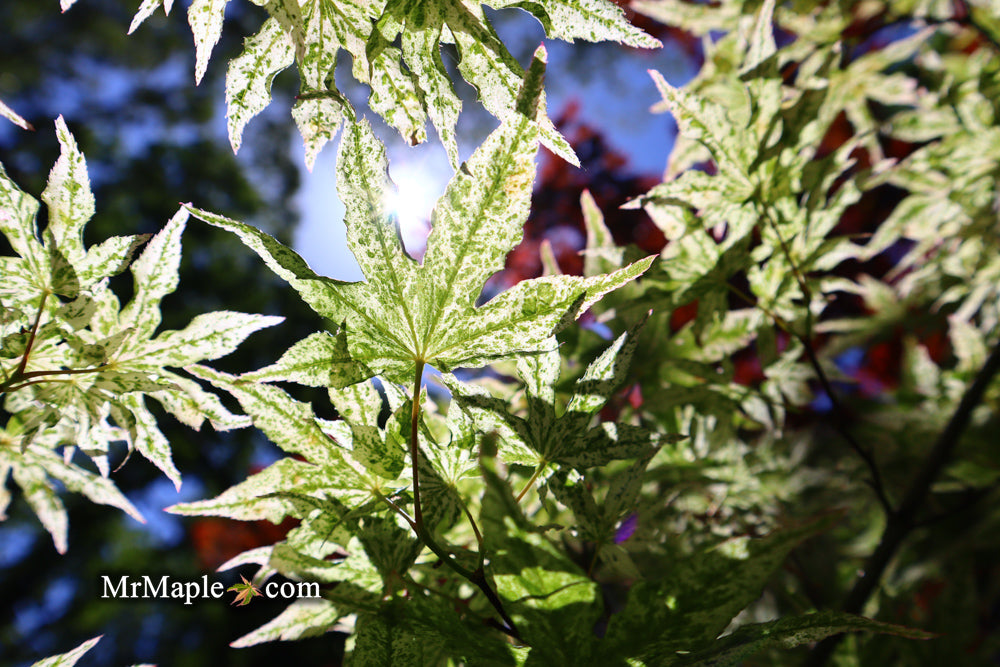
(245, 592)
(406, 314)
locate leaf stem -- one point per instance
(531, 482)
(479, 536)
(477, 576)
(31, 338)
(418, 515)
(19, 374)
(16, 380)
(28, 384)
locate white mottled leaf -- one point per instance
(254, 498)
(320, 360)
(205, 18)
(404, 312)
(13, 117)
(288, 423)
(69, 658)
(44, 502)
(98, 489)
(707, 122)
(154, 274)
(149, 441)
(249, 77)
(301, 619)
(68, 197)
(208, 336)
(590, 20)
(191, 404)
(108, 258)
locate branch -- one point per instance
(902, 521)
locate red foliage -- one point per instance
(217, 540)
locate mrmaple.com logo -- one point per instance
(146, 587)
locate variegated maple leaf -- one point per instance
(396, 50)
(76, 365)
(406, 314)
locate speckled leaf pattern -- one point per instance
(700, 595)
(319, 360)
(301, 619)
(43, 500)
(32, 472)
(707, 122)
(249, 77)
(589, 20)
(377, 449)
(379, 641)
(68, 198)
(17, 223)
(290, 424)
(408, 83)
(557, 436)
(69, 658)
(405, 312)
(208, 336)
(150, 442)
(421, 48)
(92, 363)
(154, 275)
(205, 18)
(258, 496)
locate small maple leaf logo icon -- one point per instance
(245, 592)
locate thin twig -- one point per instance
(479, 536)
(903, 520)
(840, 425)
(396, 508)
(841, 421)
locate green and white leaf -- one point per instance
(13, 117)
(69, 658)
(91, 362)
(697, 599)
(549, 434)
(301, 619)
(789, 632)
(407, 313)
(408, 83)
